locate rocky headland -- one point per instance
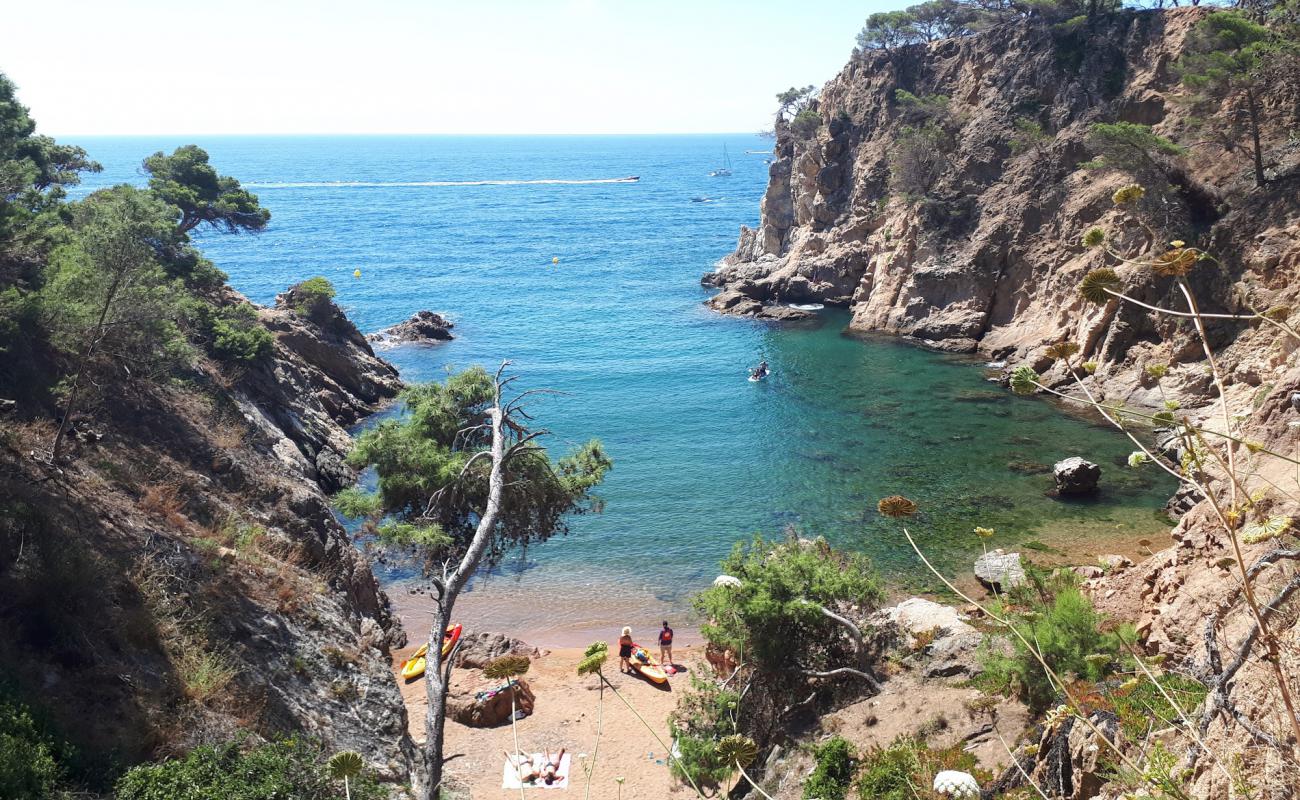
(180, 576)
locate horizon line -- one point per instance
(395, 134)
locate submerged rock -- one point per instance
(998, 570)
(423, 327)
(1074, 476)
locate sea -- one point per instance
(545, 255)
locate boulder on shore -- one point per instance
(998, 570)
(423, 327)
(490, 705)
(477, 650)
(1074, 476)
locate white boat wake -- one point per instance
(379, 184)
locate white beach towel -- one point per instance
(510, 774)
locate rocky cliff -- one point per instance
(181, 577)
(988, 258)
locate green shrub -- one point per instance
(774, 617)
(30, 767)
(293, 768)
(905, 770)
(312, 294)
(1067, 632)
(702, 718)
(1142, 708)
(237, 336)
(889, 774)
(831, 778)
(805, 123)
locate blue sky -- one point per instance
(405, 66)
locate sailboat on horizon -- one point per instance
(723, 171)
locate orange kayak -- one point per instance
(449, 639)
(414, 666)
(645, 664)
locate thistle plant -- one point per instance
(508, 668)
(593, 659)
(345, 766)
(1218, 462)
(901, 508)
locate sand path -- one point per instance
(565, 716)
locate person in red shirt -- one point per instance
(666, 645)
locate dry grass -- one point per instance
(228, 432)
(164, 500)
(204, 671)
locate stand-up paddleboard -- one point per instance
(645, 664)
(414, 666)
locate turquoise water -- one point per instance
(703, 457)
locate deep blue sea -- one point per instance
(469, 227)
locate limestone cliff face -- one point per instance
(183, 578)
(990, 258)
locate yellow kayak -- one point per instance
(414, 666)
(645, 664)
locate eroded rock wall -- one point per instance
(990, 259)
(181, 577)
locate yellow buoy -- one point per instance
(356, 273)
(555, 260)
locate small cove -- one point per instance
(703, 458)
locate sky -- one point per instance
(110, 67)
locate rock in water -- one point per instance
(998, 570)
(1074, 476)
(424, 327)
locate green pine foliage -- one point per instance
(774, 616)
(1068, 633)
(312, 295)
(1132, 148)
(188, 182)
(426, 450)
(704, 716)
(237, 336)
(294, 768)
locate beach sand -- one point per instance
(565, 715)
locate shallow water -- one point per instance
(469, 227)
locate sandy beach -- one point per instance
(565, 715)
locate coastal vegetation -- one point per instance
(237, 770)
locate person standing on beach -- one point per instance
(625, 651)
(666, 645)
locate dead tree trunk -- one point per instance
(438, 679)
